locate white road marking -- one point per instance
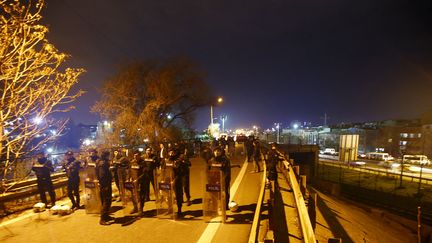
(211, 229)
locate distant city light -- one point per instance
(106, 123)
(295, 126)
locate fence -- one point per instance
(381, 187)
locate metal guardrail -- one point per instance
(305, 223)
(253, 236)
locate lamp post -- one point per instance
(219, 100)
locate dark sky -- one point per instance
(272, 60)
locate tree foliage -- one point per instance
(152, 100)
(33, 83)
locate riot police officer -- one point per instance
(118, 161)
(186, 164)
(257, 155)
(272, 159)
(136, 175)
(220, 160)
(43, 168)
(178, 170)
(72, 167)
(150, 163)
(103, 174)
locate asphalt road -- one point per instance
(81, 227)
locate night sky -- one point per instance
(271, 60)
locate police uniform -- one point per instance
(224, 164)
(104, 176)
(117, 162)
(272, 159)
(136, 175)
(72, 167)
(150, 163)
(186, 164)
(43, 168)
(178, 171)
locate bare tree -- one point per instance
(33, 84)
(152, 100)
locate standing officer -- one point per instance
(117, 162)
(150, 164)
(43, 168)
(220, 160)
(257, 155)
(186, 164)
(72, 167)
(136, 175)
(175, 161)
(104, 176)
(272, 159)
(249, 148)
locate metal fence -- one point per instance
(386, 189)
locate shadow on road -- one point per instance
(279, 221)
(197, 201)
(244, 214)
(331, 217)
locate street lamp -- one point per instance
(219, 100)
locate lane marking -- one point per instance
(211, 229)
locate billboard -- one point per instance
(348, 147)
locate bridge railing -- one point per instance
(255, 230)
(302, 210)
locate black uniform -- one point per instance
(186, 164)
(43, 167)
(117, 162)
(224, 164)
(72, 167)
(257, 155)
(272, 159)
(104, 176)
(136, 175)
(178, 170)
(150, 163)
(249, 149)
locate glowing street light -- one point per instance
(219, 101)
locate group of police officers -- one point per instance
(140, 170)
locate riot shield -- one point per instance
(92, 200)
(214, 196)
(164, 179)
(128, 192)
